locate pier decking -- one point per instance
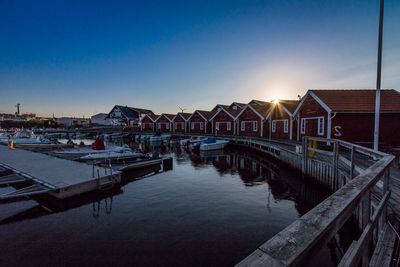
(58, 177)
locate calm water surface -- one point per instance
(210, 210)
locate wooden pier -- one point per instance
(46, 174)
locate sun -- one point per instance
(275, 101)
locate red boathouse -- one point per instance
(251, 120)
(349, 115)
(199, 122)
(180, 122)
(283, 125)
(164, 122)
(148, 123)
(223, 122)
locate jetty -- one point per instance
(42, 173)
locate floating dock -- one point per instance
(46, 174)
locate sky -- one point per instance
(79, 58)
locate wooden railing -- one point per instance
(360, 176)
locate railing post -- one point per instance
(305, 152)
(335, 162)
(366, 218)
(352, 163)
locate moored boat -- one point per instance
(213, 144)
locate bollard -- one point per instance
(10, 144)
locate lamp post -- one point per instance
(378, 78)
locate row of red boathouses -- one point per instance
(340, 114)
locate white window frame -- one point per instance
(192, 125)
(217, 126)
(255, 126)
(201, 126)
(167, 126)
(285, 126)
(242, 126)
(228, 126)
(159, 125)
(273, 126)
(303, 126)
(321, 126)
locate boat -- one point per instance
(123, 156)
(25, 137)
(192, 140)
(212, 144)
(78, 152)
(140, 163)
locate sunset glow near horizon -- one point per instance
(74, 59)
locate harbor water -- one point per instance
(212, 209)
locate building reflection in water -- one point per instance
(254, 169)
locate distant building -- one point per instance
(100, 119)
(124, 115)
(70, 121)
(180, 122)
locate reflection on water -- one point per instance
(213, 208)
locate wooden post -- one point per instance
(335, 162)
(352, 163)
(305, 158)
(366, 217)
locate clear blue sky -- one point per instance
(82, 57)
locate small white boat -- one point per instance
(113, 156)
(213, 144)
(192, 140)
(25, 137)
(76, 153)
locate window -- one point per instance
(192, 125)
(321, 126)
(273, 126)
(254, 126)
(303, 126)
(201, 126)
(217, 126)
(242, 127)
(167, 126)
(159, 125)
(228, 126)
(285, 126)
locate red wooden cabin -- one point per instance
(349, 115)
(283, 125)
(223, 122)
(148, 123)
(180, 122)
(164, 122)
(251, 120)
(199, 122)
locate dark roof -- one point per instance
(153, 116)
(219, 106)
(241, 105)
(206, 114)
(261, 107)
(185, 115)
(359, 100)
(233, 112)
(290, 105)
(130, 111)
(169, 116)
